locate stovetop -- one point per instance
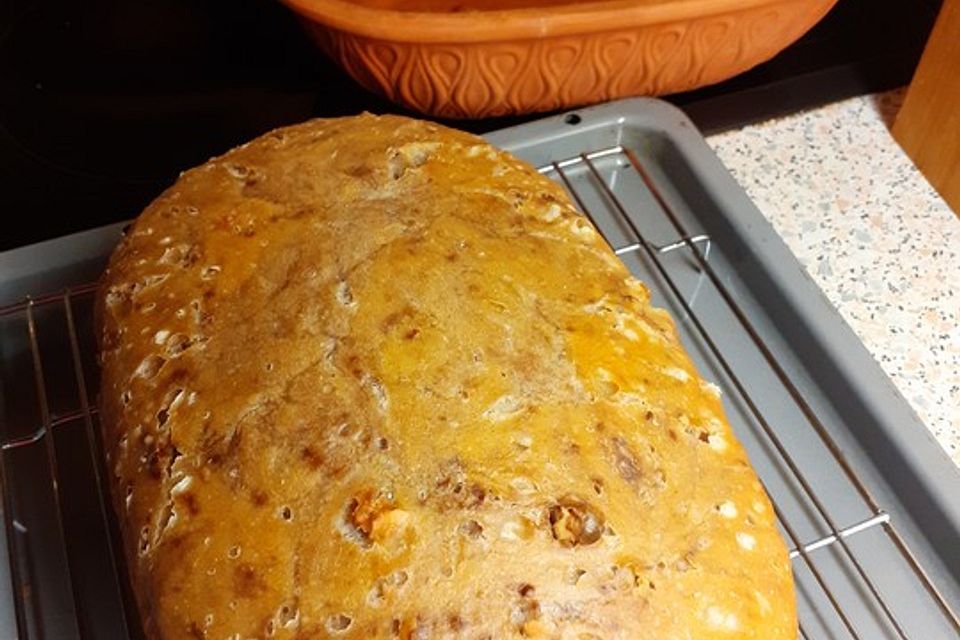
(103, 103)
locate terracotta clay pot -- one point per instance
(480, 58)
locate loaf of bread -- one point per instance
(373, 378)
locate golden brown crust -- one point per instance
(370, 377)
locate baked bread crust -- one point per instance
(372, 378)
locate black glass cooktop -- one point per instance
(103, 102)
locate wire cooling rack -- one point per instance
(857, 576)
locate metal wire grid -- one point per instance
(62, 309)
(66, 583)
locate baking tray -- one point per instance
(868, 502)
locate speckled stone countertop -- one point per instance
(873, 234)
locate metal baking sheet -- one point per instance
(715, 264)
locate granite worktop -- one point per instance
(872, 233)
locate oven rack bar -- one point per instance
(29, 614)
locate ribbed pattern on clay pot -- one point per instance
(475, 62)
